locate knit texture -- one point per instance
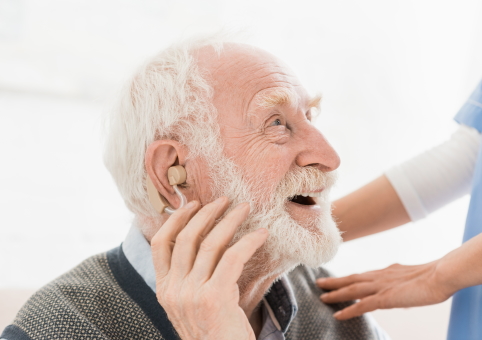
(105, 298)
(85, 303)
(314, 319)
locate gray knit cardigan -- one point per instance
(105, 298)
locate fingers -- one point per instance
(356, 286)
(216, 243)
(352, 292)
(232, 262)
(163, 241)
(189, 239)
(331, 283)
(365, 305)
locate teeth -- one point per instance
(310, 194)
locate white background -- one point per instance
(392, 73)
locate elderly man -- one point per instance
(239, 261)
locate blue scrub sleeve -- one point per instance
(466, 314)
(471, 113)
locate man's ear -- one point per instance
(160, 156)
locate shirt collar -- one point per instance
(280, 302)
(138, 252)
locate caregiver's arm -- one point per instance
(411, 190)
(371, 209)
(407, 286)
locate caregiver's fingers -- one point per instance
(231, 265)
(351, 292)
(330, 283)
(213, 247)
(368, 304)
(163, 241)
(189, 239)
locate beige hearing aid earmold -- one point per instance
(176, 175)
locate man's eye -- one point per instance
(276, 122)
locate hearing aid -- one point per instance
(176, 175)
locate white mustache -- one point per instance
(305, 180)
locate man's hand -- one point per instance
(196, 275)
(393, 287)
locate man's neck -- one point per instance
(252, 294)
(251, 298)
(258, 276)
(256, 320)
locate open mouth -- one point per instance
(298, 199)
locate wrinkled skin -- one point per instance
(250, 134)
(265, 144)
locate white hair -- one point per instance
(170, 98)
(167, 98)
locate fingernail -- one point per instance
(190, 205)
(262, 231)
(220, 200)
(337, 314)
(323, 296)
(320, 281)
(241, 206)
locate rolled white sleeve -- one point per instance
(437, 176)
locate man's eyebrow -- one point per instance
(277, 97)
(285, 96)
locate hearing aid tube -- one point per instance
(182, 198)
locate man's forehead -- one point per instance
(240, 66)
(242, 73)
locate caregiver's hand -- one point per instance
(408, 286)
(196, 275)
(392, 287)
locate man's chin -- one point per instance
(311, 240)
(324, 244)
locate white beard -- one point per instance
(289, 243)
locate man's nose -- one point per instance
(316, 151)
